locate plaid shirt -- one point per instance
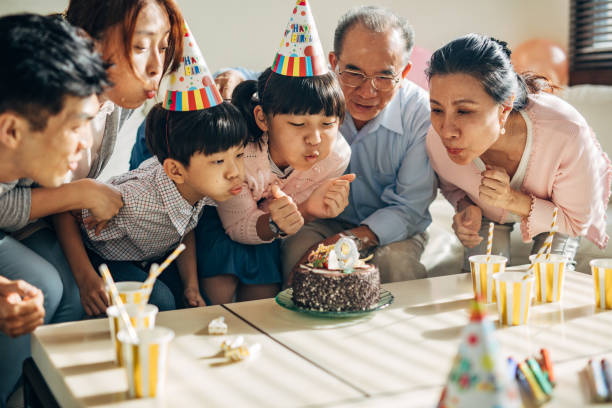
(153, 220)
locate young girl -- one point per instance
(294, 165)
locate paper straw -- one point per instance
(149, 282)
(553, 229)
(547, 246)
(490, 241)
(155, 272)
(118, 302)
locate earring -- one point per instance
(502, 131)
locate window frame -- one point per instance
(588, 64)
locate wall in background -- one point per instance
(242, 32)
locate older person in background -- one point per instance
(48, 96)
(506, 152)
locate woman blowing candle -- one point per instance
(505, 151)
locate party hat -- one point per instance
(300, 53)
(191, 86)
(479, 375)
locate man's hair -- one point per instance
(46, 59)
(377, 19)
(180, 135)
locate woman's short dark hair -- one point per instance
(96, 17)
(47, 60)
(180, 135)
(281, 94)
(487, 60)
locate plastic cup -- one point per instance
(131, 293)
(602, 279)
(142, 317)
(482, 275)
(146, 360)
(549, 277)
(514, 293)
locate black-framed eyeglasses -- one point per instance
(354, 79)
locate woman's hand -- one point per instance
(93, 293)
(466, 224)
(495, 191)
(105, 201)
(329, 199)
(21, 307)
(284, 212)
(193, 298)
(495, 188)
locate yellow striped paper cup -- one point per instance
(514, 295)
(130, 292)
(602, 279)
(482, 275)
(146, 360)
(549, 277)
(142, 317)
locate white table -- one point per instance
(397, 356)
(76, 360)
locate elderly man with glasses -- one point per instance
(386, 123)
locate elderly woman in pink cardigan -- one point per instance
(505, 152)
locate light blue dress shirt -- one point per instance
(395, 183)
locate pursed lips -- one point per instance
(364, 105)
(74, 161)
(312, 155)
(235, 190)
(454, 150)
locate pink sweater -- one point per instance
(239, 214)
(567, 169)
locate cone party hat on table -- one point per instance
(191, 87)
(479, 375)
(300, 53)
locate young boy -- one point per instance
(198, 159)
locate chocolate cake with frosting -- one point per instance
(335, 279)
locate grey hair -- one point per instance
(377, 19)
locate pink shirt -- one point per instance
(567, 168)
(239, 214)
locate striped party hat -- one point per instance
(300, 53)
(191, 86)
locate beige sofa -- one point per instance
(444, 253)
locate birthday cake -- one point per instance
(335, 279)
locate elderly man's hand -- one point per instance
(227, 81)
(329, 199)
(466, 224)
(21, 307)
